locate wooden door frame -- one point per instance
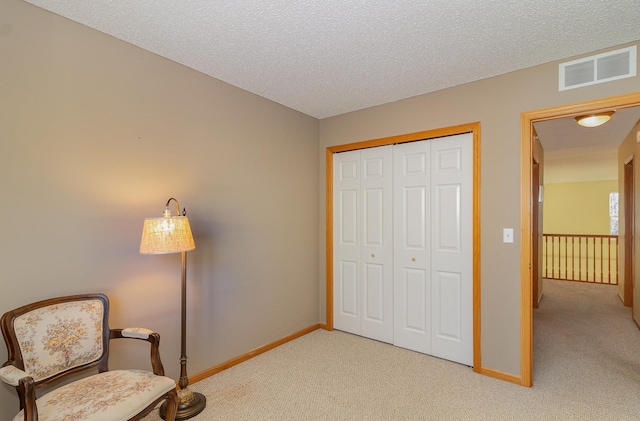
(629, 223)
(473, 128)
(526, 155)
(535, 227)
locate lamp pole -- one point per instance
(190, 403)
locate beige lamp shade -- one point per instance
(166, 235)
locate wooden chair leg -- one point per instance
(172, 405)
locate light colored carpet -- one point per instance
(586, 367)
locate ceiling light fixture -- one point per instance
(594, 120)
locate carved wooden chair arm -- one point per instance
(13, 376)
(145, 335)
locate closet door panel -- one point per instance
(346, 242)
(348, 288)
(374, 293)
(412, 283)
(451, 247)
(447, 215)
(376, 252)
(447, 290)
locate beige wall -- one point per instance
(497, 103)
(578, 208)
(629, 149)
(96, 135)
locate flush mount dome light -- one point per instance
(594, 120)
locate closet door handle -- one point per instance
(373, 255)
(413, 259)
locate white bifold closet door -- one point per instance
(402, 248)
(433, 265)
(363, 242)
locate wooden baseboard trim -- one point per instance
(500, 375)
(260, 350)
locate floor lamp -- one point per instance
(165, 235)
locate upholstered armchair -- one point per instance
(50, 340)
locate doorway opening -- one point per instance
(526, 217)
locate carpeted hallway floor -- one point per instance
(586, 367)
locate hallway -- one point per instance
(585, 335)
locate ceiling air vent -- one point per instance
(613, 65)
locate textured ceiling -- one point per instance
(325, 58)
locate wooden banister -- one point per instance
(580, 257)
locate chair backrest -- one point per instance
(52, 337)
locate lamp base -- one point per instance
(188, 410)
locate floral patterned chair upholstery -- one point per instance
(51, 339)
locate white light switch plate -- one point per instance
(507, 235)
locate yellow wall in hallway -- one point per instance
(578, 208)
